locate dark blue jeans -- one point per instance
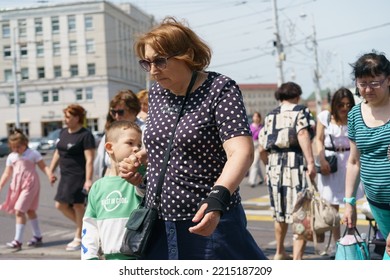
(230, 241)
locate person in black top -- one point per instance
(74, 154)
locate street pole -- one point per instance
(316, 73)
(280, 56)
(15, 74)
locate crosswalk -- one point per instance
(258, 209)
(60, 234)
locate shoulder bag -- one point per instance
(313, 215)
(139, 227)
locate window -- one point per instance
(91, 69)
(6, 30)
(38, 26)
(45, 96)
(88, 22)
(24, 73)
(90, 45)
(56, 48)
(71, 23)
(41, 72)
(74, 70)
(22, 27)
(55, 25)
(55, 95)
(79, 94)
(88, 93)
(23, 50)
(7, 51)
(8, 76)
(11, 98)
(57, 71)
(92, 124)
(72, 47)
(22, 98)
(40, 50)
(22, 126)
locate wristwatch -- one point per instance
(350, 200)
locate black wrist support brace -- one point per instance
(218, 199)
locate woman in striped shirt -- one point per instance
(369, 135)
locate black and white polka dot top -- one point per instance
(213, 113)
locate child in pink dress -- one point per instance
(23, 194)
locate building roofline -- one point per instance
(258, 86)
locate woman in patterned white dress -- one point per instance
(285, 149)
(333, 126)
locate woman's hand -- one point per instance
(87, 185)
(206, 223)
(52, 179)
(388, 244)
(350, 215)
(325, 167)
(128, 170)
(311, 171)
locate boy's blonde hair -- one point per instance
(113, 130)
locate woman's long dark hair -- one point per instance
(336, 101)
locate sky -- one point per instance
(241, 35)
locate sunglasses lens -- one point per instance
(160, 62)
(145, 65)
(120, 112)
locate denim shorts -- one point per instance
(230, 241)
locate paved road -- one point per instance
(58, 231)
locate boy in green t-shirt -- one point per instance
(111, 198)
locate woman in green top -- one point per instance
(369, 135)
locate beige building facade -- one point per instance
(259, 97)
(78, 52)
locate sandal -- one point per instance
(35, 242)
(282, 257)
(14, 244)
(75, 245)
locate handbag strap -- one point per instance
(169, 147)
(355, 232)
(331, 140)
(330, 136)
(311, 186)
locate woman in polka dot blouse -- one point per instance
(201, 216)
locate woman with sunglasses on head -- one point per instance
(332, 139)
(201, 216)
(125, 105)
(369, 135)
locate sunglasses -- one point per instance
(159, 62)
(120, 112)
